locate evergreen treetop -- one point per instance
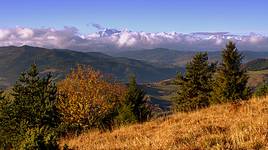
(231, 79)
(35, 99)
(194, 88)
(135, 99)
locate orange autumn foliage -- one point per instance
(86, 97)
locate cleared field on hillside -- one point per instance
(229, 126)
(257, 77)
(161, 93)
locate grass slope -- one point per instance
(227, 126)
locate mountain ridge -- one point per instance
(14, 60)
(169, 57)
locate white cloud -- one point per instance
(126, 39)
(24, 33)
(4, 34)
(112, 39)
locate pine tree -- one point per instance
(35, 99)
(230, 78)
(194, 88)
(32, 106)
(135, 99)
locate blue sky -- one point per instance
(236, 16)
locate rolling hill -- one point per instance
(257, 70)
(167, 57)
(257, 64)
(14, 60)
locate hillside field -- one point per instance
(228, 126)
(257, 77)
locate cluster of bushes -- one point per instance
(207, 83)
(37, 111)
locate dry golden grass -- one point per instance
(228, 126)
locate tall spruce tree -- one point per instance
(194, 88)
(32, 106)
(230, 78)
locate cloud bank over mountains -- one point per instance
(118, 40)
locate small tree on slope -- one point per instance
(135, 99)
(194, 88)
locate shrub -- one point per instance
(39, 138)
(87, 99)
(261, 90)
(125, 115)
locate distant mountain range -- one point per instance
(149, 65)
(166, 57)
(14, 60)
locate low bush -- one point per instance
(125, 115)
(39, 138)
(261, 90)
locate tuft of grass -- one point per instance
(227, 126)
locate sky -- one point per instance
(184, 16)
(101, 25)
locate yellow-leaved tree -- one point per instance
(87, 99)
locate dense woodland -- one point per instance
(38, 111)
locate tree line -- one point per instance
(207, 83)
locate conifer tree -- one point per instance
(194, 88)
(32, 106)
(230, 78)
(35, 99)
(135, 98)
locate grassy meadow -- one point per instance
(242, 125)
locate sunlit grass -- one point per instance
(228, 126)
